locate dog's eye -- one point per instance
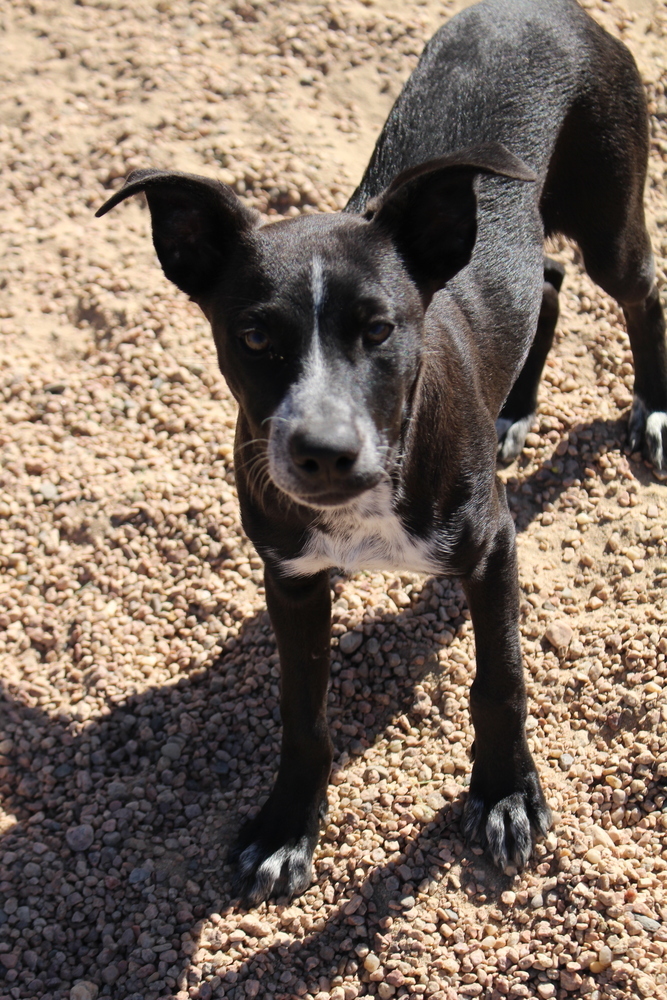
(378, 332)
(256, 340)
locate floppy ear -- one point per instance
(197, 223)
(430, 211)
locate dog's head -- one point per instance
(318, 321)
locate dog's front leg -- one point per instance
(274, 851)
(506, 807)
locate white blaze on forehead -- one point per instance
(317, 286)
(314, 362)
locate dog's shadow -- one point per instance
(528, 492)
(127, 817)
(168, 776)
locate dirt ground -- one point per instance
(139, 720)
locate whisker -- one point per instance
(246, 444)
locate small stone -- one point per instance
(422, 704)
(349, 642)
(565, 761)
(537, 901)
(84, 990)
(395, 978)
(172, 750)
(371, 962)
(559, 634)
(602, 838)
(605, 956)
(110, 974)
(48, 490)
(138, 875)
(255, 927)
(508, 897)
(546, 990)
(648, 923)
(80, 838)
(570, 981)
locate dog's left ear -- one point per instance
(430, 211)
(197, 225)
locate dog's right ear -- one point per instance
(197, 224)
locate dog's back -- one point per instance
(503, 71)
(542, 78)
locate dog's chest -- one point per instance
(368, 535)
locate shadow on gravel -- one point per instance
(527, 493)
(123, 821)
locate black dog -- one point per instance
(372, 351)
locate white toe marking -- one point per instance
(270, 869)
(512, 435)
(249, 859)
(656, 430)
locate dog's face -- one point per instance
(319, 337)
(318, 321)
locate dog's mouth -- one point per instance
(333, 498)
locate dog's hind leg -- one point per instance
(518, 413)
(630, 278)
(594, 193)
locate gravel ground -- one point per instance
(138, 701)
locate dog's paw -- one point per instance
(648, 431)
(274, 852)
(508, 827)
(262, 872)
(512, 436)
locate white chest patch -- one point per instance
(366, 535)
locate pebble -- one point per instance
(49, 491)
(84, 990)
(110, 974)
(350, 642)
(648, 923)
(602, 838)
(559, 634)
(255, 927)
(80, 838)
(138, 875)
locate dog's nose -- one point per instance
(325, 455)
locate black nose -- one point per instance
(325, 455)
